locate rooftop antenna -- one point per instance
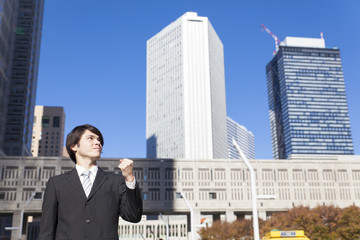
(277, 41)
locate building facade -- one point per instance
(24, 74)
(48, 131)
(185, 98)
(7, 24)
(244, 138)
(214, 189)
(307, 100)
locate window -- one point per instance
(56, 121)
(38, 195)
(212, 195)
(145, 196)
(45, 121)
(178, 195)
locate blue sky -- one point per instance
(93, 59)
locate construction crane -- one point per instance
(277, 41)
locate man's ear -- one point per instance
(74, 148)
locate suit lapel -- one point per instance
(100, 178)
(74, 180)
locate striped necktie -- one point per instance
(86, 182)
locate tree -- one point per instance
(319, 223)
(217, 231)
(349, 223)
(224, 230)
(296, 218)
(326, 218)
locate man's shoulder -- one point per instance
(61, 175)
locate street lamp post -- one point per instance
(167, 226)
(191, 216)
(22, 213)
(253, 191)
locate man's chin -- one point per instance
(95, 157)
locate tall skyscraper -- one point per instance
(48, 131)
(244, 138)
(25, 64)
(307, 100)
(7, 24)
(186, 105)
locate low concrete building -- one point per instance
(217, 188)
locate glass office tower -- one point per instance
(24, 74)
(307, 100)
(7, 24)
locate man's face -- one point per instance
(89, 146)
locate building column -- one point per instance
(262, 214)
(156, 230)
(16, 223)
(195, 224)
(230, 216)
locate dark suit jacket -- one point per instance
(68, 214)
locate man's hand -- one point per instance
(126, 167)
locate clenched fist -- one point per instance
(126, 167)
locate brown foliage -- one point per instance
(318, 223)
(225, 230)
(349, 224)
(322, 222)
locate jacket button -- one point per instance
(87, 221)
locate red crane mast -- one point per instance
(277, 41)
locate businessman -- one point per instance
(86, 202)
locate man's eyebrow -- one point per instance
(92, 135)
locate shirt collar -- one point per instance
(80, 169)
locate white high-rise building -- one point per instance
(186, 103)
(243, 137)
